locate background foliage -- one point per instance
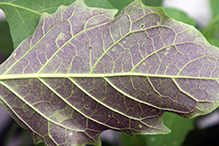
(22, 18)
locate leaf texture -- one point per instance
(84, 71)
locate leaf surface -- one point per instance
(6, 45)
(84, 71)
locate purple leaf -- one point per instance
(84, 71)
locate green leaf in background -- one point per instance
(138, 140)
(179, 15)
(6, 44)
(214, 7)
(211, 31)
(179, 126)
(23, 15)
(214, 41)
(153, 2)
(120, 4)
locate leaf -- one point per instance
(211, 31)
(6, 46)
(180, 128)
(214, 7)
(214, 41)
(120, 4)
(23, 15)
(179, 15)
(153, 2)
(83, 71)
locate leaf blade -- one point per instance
(84, 67)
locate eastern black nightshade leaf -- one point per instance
(84, 71)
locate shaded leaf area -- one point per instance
(6, 44)
(23, 15)
(83, 72)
